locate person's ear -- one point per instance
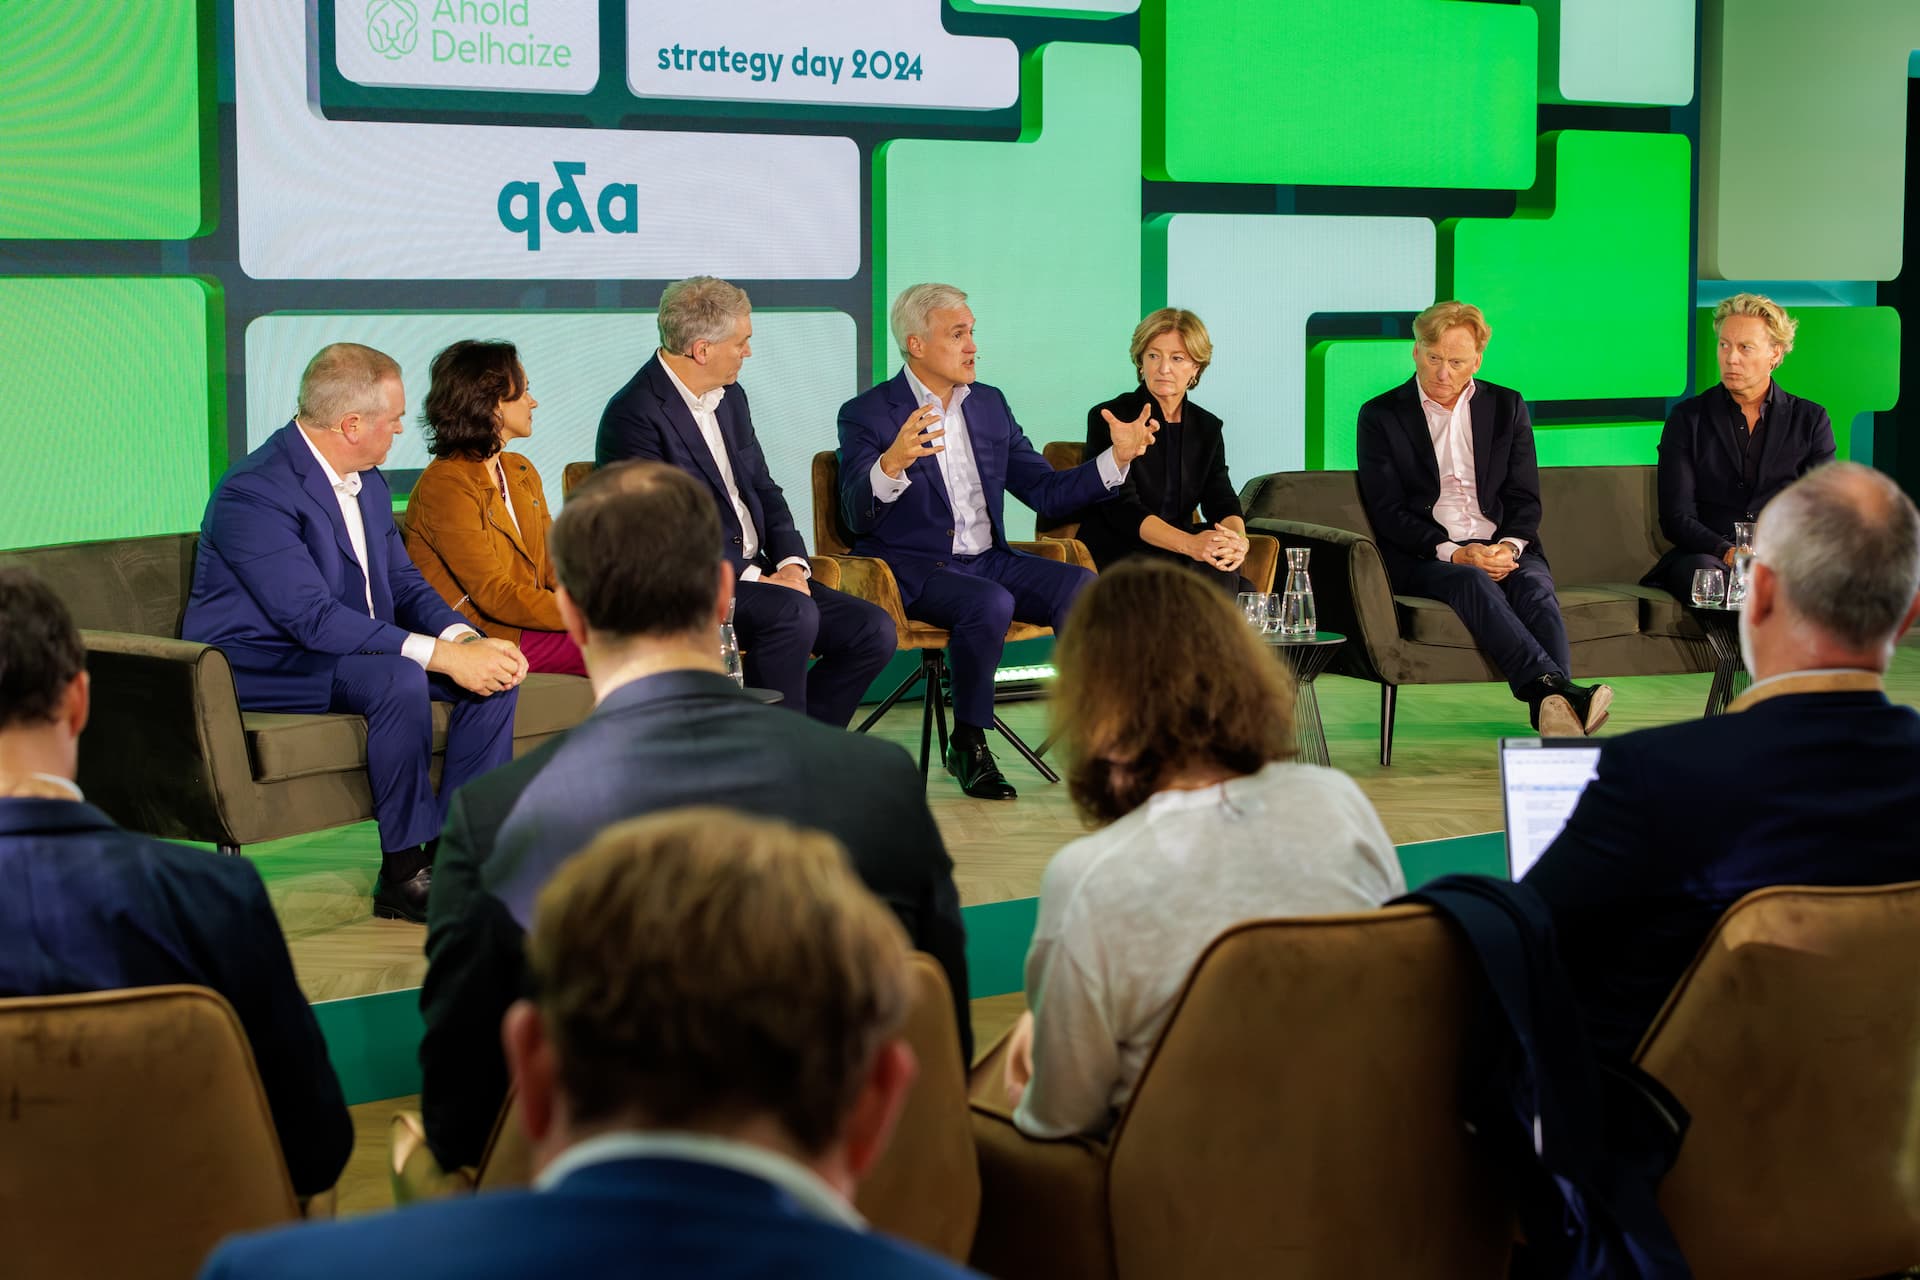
(1913, 611)
(77, 704)
(349, 428)
(1763, 592)
(571, 618)
(532, 1068)
(876, 1109)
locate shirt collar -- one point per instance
(697, 404)
(349, 485)
(54, 780)
(1818, 680)
(807, 1188)
(923, 396)
(1426, 402)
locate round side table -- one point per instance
(1730, 675)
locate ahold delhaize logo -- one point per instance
(393, 27)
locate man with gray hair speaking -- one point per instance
(685, 408)
(1813, 776)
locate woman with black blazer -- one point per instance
(1152, 512)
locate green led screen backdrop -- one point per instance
(202, 192)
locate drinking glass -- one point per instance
(1709, 586)
(1253, 607)
(1737, 581)
(1743, 535)
(1272, 619)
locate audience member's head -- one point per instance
(475, 385)
(43, 681)
(703, 971)
(1836, 573)
(353, 403)
(637, 552)
(1159, 677)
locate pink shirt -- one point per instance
(1458, 506)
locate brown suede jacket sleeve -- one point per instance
(465, 544)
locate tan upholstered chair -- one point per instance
(1299, 1118)
(926, 1188)
(1263, 552)
(1795, 1042)
(134, 1134)
(873, 581)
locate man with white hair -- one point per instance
(926, 461)
(1813, 776)
(685, 408)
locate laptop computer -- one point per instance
(1540, 781)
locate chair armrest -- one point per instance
(1351, 594)
(1043, 1205)
(1261, 567)
(825, 570)
(1074, 551)
(1045, 548)
(872, 580)
(165, 752)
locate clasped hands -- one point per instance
(479, 664)
(1496, 560)
(1220, 547)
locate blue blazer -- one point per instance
(914, 533)
(277, 589)
(648, 419)
(86, 906)
(657, 1218)
(1684, 820)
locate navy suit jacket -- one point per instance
(1703, 483)
(648, 419)
(914, 533)
(657, 1218)
(86, 906)
(1683, 820)
(663, 742)
(1400, 477)
(277, 589)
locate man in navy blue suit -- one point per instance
(85, 906)
(304, 583)
(926, 461)
(1813, 776)
(710, 1063)
(685, 407)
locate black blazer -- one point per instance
(663, 742)
(86, 906)
(1703, 486)
(1111, 529)
(1400, 477)
(1684, 820)
(648, 419)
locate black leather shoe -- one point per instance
(406, 900)
(979, 776)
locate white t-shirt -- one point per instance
(1125, 913)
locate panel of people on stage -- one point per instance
(305, 582)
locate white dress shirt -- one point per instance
(706, 416)
(807, 1188)
(966, 492)
(346, 492)
(1458, 506)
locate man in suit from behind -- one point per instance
(86, 906)
(1812, 776)
(926, 461)
(303, 582)
(710, 1062)
(686, 407)
(643, 586)
(1447, 472)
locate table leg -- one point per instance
(1307, 728)
(1730, 675)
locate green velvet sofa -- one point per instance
(1600, 527)
(169, 751)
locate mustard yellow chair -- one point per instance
(1795, 1042)
(134, 1134)
(1299, 1118)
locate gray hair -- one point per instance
(700, 309)
(1845, 544)
(914, 306)
(343, 379)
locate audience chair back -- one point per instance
(1300, 1117)
(571, 476)
(1795, 1042)
(134, 1134)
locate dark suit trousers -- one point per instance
(1674, 573)
(1516, 621)
(396, 695)
(977, 598)
(780, 629)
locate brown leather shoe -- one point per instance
(1555, 718)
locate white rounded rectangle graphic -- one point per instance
(524, 46)
(891, 53)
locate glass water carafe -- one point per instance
(1297, 614)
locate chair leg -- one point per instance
(933, 669)
(1026, 752)
(942, 679)
(1387, 693)
(886, 704)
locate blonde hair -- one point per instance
(1780, 326)
(1193, 336)
(1431, 324)
(698, 967)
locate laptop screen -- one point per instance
(1540, 781)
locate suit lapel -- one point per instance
(1776, 420)
(680, 418)
(1413, 420)
(1727, 419)
(903, 405)
(376, 516)
(501, 520)
(1480, 415)
(313, 479)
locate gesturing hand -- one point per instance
(1130, 439)
(919, 437)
